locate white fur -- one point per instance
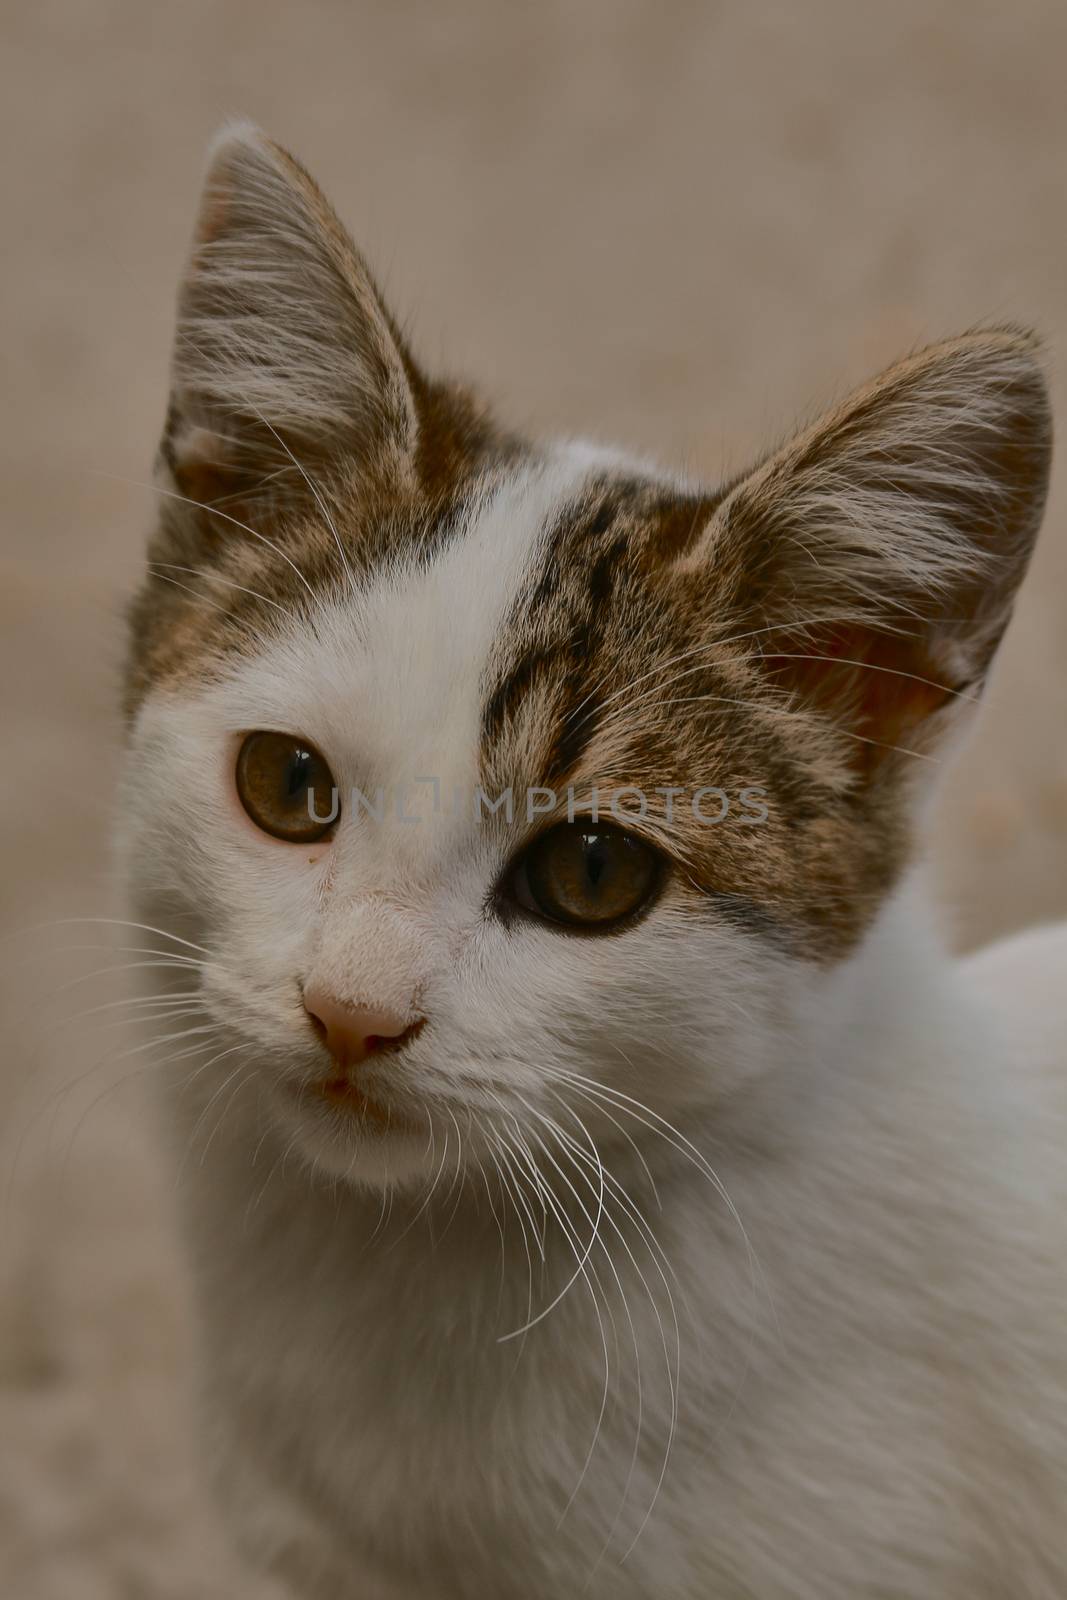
(864, 1343)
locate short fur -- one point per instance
(727, 1259)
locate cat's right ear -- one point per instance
(285, 358)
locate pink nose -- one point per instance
(351, 1033)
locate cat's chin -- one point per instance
(363, 1145)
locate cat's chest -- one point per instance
(391, 1391)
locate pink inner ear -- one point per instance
(201, 467)
(875, 685)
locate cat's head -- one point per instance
(360, 582)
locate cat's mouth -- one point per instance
(345, 1096)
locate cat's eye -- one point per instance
(285, 786)
(586, 874)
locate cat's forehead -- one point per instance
(403, 651)
(454, 658)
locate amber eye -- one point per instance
(587, 874)
(285, 786)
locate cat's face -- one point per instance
(415, 904)
(622, 765)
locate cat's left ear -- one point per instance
(284, 351)
(868, 569)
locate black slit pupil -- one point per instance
(585, 875)
(596, 863)
(297, 777)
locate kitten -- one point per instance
(592, 1189)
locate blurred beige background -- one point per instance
(676, 225)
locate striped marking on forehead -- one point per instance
(590, 597)
(461, 601)
(439, 624)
